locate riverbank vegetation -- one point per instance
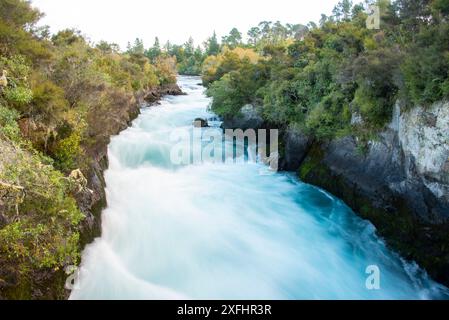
(189, 57)
(326, 78)
(58, 96)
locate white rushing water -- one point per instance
(226, 231)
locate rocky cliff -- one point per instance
(47, 283)
(93, 200)
(399, 180)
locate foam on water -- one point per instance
(226, 231)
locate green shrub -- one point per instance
(67, 151)
(226, 102)
(17, 67)
(48, 100)
(18, 96)
(282, 103)
(330, 117)
(43, 218)
(8, 123)
(426, 68)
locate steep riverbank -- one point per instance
(398, 181)
(46, 283)
(92, 203)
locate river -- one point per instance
(228, 231)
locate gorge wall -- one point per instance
(399, 180)
(93, 199)
(48, 283)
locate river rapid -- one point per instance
(228, 231)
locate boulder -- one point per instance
(248, 118)
(153, 95)
(200, 123)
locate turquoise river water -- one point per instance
(228, 231)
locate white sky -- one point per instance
(175, 20)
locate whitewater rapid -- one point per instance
(227, 231)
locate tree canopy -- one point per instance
(319, 77)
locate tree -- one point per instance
(168, 46)
(198, 53)
(189, 47)
(265, 28)
(154, 51)
(189, 59)
(212, 45)
(107, 47)
(323, 20)
(296, 31)
(279, 32)
(254, 36)
(19, 14)
(233, 39)
(413, 13)
(17, 26)
(67, 37)
(157, 44)
(166, 69)
(137, 49)
(342, 11)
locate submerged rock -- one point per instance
(200, 123)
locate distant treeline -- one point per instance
(337, 77)
(190, 57)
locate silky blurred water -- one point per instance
(227, 231)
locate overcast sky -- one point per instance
(175, 20)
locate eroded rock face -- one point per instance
(297, 145)
(424, 137)
(155, 94)
(399, 181)
(408, 160)
(384, 174)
